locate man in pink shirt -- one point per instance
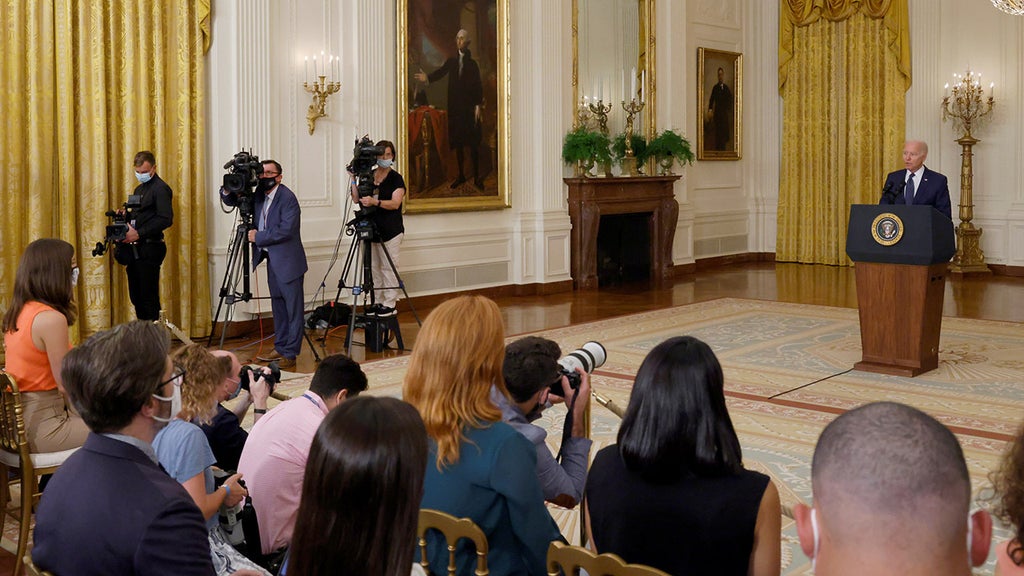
(274, 458)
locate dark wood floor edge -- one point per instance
(1004, 270)
(702, 264)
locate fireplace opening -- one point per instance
(623, 248)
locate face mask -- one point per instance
(817, 537)
(143, 177)
(238, 390)
(175, 401)
(385, 163)
(267, 183)
(74, 276)
(970, 536)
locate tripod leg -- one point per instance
(238, 244)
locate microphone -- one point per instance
(887, 195)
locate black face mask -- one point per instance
(266, 184)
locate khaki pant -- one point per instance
(51, 424)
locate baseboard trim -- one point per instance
(719, 261)
(1004, 270)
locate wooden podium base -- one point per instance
(900, 317)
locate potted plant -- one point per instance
(584, 147)
(638, 144)
(668, 148)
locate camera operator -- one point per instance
(386, 214)
(530, 368)
(224, 432)
(277, 240)
(146, 235)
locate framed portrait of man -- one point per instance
(719, 104)
(453, 93)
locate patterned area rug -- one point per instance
(787, 374)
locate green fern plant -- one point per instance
(640, 150)
(584, 145)
(669, 144)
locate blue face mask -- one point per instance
(143, 177)
(385, 163)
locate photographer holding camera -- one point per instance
(531, 369)
(384, 209)
(145, 234)
(224, 432)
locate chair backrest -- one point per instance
(13, 438)
(566, 559)
(453, 529)
(32, 570)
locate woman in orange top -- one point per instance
(36, 338)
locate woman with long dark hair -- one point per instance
(1008, 486)
(480, 467)
(36, 337)
(673, 493)
(361, 492)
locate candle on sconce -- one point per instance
(632, 84)
(306, 62)
(643, 86)
(992, 90)
(314, 68)
(337, 68)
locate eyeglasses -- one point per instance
(265, 173)
(177, 378)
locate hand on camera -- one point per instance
(132, 235)
(582, 400)
(258, 387)
(252, 236)
(369, 201)
(237, 491)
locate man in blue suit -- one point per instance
(917, 184)
(110, 508)
(276, 239)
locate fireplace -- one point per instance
(623, 248)
(650, 197)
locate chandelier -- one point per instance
(1015, 7)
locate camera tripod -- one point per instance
(239, 256)
(364, 233)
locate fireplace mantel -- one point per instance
(590, 198)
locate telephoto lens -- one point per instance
(588, 358)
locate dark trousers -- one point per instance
(144, 280)
(287, 303)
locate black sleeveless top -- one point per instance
(689, 526)
(389, 222)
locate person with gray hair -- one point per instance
(891, 496)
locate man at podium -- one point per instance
(917, 184)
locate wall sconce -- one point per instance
(321, 87)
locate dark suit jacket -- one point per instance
(280, 238)
(109, 509)
(932, 190)
(465, 92)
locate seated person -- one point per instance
(110, 509)
(478, 467)
(531, 365)
(182, 450)
(274, 457)
(361, 492)
(224, 431)
(36, 339)
(891, 496)
(1008, 484)
(673, 492)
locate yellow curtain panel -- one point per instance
(844, 68)
(85, 85)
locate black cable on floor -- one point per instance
(772, 397)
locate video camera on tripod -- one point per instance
(364, 160)
(244, 170)
(117, 229)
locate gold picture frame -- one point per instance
(440, 133)
(720, 126)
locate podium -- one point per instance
(902, 256)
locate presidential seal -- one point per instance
(887, 229)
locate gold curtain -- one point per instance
(844, 68)
(85, 85)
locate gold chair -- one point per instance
(14, 453)
(31, 570)
(565, 559)
(453, 529)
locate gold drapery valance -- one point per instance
(798, 13)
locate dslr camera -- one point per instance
(588, 358)
(271, 378)
(364, 159)
(117, 229)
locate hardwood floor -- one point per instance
(991, 298)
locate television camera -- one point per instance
(117, 229)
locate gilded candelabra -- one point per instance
(320, 90)
(629, 162)
(582, 116)
(600, 111)
(967, 107)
